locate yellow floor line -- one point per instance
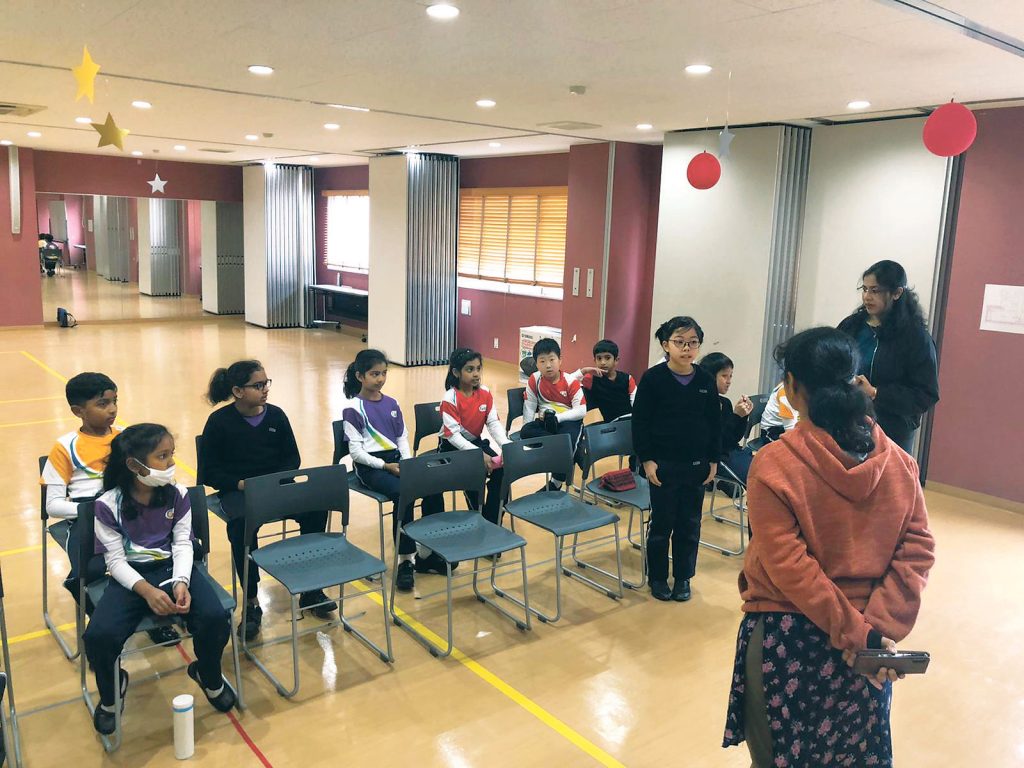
(524, 701)
(31, 399)
(21, 550)
(41, 421)
(44, 366)
(38, 633)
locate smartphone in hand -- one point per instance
(904, 662)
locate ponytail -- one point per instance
(823, 362)
(456, 362)
(224, 380)
(365, 360)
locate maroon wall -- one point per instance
(980, 372)
(515, 171)
(21, 301)
(67, 172)
(191, 251)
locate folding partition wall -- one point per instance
(160, 247)
(110, 229)
(223, 266)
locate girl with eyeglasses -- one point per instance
(250, 437)
(898, 367)
(677, 437)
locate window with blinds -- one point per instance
(348, 231)
(513, 235)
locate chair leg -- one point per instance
(237, 666)
(617, 577)
(524, 603)
(9, 711)
(285, 692)
(69, 654)
(736, 496)
(384, 655)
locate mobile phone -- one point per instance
(904, 662)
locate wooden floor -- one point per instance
(635, 683)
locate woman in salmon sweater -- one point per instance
(839, 557)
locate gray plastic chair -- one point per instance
(309, 561)
(11, 742)
(602, 441)
(428, 424)
(95, 590)
(354, 483)
(456, 536)
(556, 512)
(515, 397)
(59, 533)
(735, 490)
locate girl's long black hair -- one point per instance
(456, 362)
(224, 380)
(136, 442)
(365, 360)
(823, 361)
(906, 312)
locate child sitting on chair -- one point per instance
(144, 532)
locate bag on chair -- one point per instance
(65, 319)
(618, 480)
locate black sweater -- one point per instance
(610, 397)
(905, 371)
(734, 427)
(676, 423)
(233, 449)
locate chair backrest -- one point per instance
(2, 594)
(438, 473)
(614, 438)
(754, 420)
(199, 460)
(200, 517)
(42, 489)
(428, 422)
(515, 405)
(340, 443)
(552, 454)
(269, 498)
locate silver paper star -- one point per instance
(157, 185)
(725, 138)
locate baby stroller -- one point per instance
(49, 255)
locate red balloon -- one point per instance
(950, 130)
(704, 171)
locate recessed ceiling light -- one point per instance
(261, 69)
(180, 147)
(6, 142)
(698, 69)
(142, 105)
(83, 120)
(486, 103)
(349, 107)
(34, 134)
(331, 126)
(314, 159)
(251, 137)
(858, 104)
(494, 144)
(267, 163)
(644, 126)
(442, 11)
(137, 152)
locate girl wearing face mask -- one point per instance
(144, 531)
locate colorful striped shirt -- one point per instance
(74, 469)
(372, 427)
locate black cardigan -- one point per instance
(734, 428)
(233, 449)
(905, 371)
(676, 423)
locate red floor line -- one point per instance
(234, 721)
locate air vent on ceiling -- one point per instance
(216, 151)
(569, 125)
(9, 109)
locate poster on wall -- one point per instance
(1002, 309)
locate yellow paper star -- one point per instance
(85, 75)
(110, 133)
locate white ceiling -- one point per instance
(789, 59)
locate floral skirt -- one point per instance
(820, 712)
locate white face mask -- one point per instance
(157, 477)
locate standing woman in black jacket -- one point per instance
(898, 367)
(677, 435)
(250, 437)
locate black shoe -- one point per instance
(253, 620)
(104, 722)
(166, 635)
(660, 590)
(405, 579)
(317, 603)
(433, 563)
(681, 590)
(222, 702)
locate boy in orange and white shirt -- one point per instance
(554, 404)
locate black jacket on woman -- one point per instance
(904, 370)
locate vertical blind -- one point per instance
(513, 236)
(347, 238)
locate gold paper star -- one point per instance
(85, 75)
(110, 133)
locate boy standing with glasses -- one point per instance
(677, 438)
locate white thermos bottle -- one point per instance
(184, 735)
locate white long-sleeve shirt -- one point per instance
(373, 427)
(465, 417)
